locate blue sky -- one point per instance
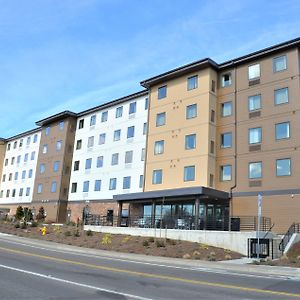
(74, 54)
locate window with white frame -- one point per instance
(281, 96)
(132, 108)
(255, 135)
(190, 141)
(104, 116)
(282, 130)
(255, 170)
(128, 157)
(90, 142)
(279, 63)
(114, 159)
(99, 162)
(162, 92)
(112, 183)
(117, 135)
(126, 182)
(283, 167)
(189, 173)
(191, 111)
(226, 109)
(225, 173)
(119, 112)
(93, 120)
(160, 119)
(254, 102)
(102, 138)
(226, 140)
(86, 186)
(192, 82)
(159, 147)
(97, 187)
(226, 80)
(254, 71)
(157, 176)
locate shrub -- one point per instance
(89, 233)
(76, 233)
(228, 257)
(19, 213)
(106, 240)
(186, 256)
(151, 239)
(17, 225)
(126, 239)
(171, 242)
(34, 224)
(160, 244)
(212, 256)
(145, 243)
(68, 233)
(41, 214)
(196, 255)
(71, 223)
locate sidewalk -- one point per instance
(240, 266)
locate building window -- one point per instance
(226, 80)
(47, 131)
(61, 125)
(146, 103)
(10, 177)
(162, 92)
(254, 102)
(190, 141)
(32, 155)
(93, 120)
(128, 157)
(130, 132)
(126, 182)
(191, 111)
(160, 119)
(145, 129)
(132, 108)
(143, 154)
(56, 166)
(58, 145)
(74, 187)
(226, 140)
(192, 83)
(35, 137)
(159, 147)
(225, 173)
(97, 185)
(255, 170)
(1, 194)
(18, 159)
(102, 138)
(86, 185)
(117, 135)
(99, 161)
(78, 144)
(157, 177)
(3, 178)
(282, 130)
(13, 193)
(15, 144)
(141, 182)
(42, 168)
(226, 109)
(45, 149)
(81, 124)
(21, 192)
(213, 86)
(279, 63)
(26, 157)
(119, 112)
(7, 193)
(114, 159)
(21, 143)
(13, 160)
(283, 167)
(30, 173)
(254, 72)
(88, 163)
(281, 96)
(16, 175)
(24, 174)
(76, 165)
(40, 188)
(90, 142)
(189, 173)
(104, 116)
(6, 162)
(28, 140)
(113, 183)
(254, 135)
(27, 191)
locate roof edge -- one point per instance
(17, 136)
(56, 117)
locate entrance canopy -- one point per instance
(201, 192)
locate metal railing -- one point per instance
(185, 222)
(294, 228)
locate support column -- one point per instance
(120, 207)
(197, 203)
(153, 214)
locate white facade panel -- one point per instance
(19, 168)
(113, 150)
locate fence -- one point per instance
(234, 223)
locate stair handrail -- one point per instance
(269, 230)
(294, 228)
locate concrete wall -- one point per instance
(234, 241)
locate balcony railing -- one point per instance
(234, 223)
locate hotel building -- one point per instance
(202, 140)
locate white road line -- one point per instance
(197, 269)
(50, 277)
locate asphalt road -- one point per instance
(42, 270)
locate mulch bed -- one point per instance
(72, 235)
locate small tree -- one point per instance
(41, 214)
(28, 214)
(19, 213)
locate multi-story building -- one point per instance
(213, 138)
(109, 154)
(20, 156)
